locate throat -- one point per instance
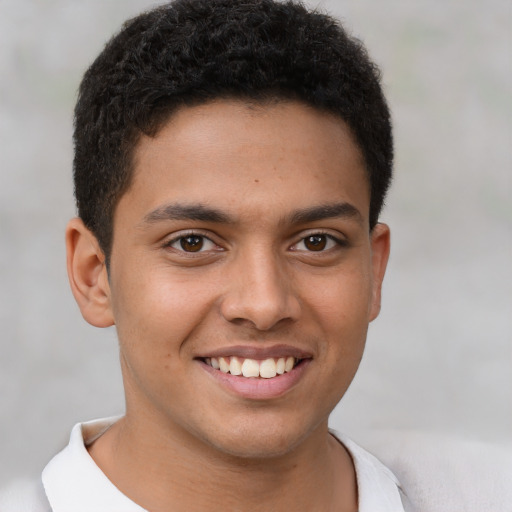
(315, 476)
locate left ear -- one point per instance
(380, 245)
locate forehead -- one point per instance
(234, 154)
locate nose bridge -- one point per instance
(260, 289)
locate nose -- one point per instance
(260, 292)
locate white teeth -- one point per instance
(235, 367)
(268, 369)
(224, 365)
(290, 362)
(250, 368)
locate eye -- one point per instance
(192, 243)
(317, 242)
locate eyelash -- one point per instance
(338, 241)
(169, 243)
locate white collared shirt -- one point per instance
(74, 483)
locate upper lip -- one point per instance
(260, 353)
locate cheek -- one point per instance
(341, 301)
(155, 312)
(156, 317)
(340, 308)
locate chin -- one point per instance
(258, 441)
(257, 448)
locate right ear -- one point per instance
(87, 273)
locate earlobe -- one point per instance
(87, 274)
(380, 245)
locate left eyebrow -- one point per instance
(326, 211)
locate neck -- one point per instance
(163, 469)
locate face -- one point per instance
(244, 243)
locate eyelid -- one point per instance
(340, 241)
(175, 237)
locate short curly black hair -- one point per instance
(189, 52)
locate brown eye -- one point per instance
(192, 243)
(315, 242)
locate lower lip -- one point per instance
(258, 388)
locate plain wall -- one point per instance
(439, 358)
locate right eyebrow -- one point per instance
(177, 211)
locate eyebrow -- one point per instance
(202, 213)
(178, 211)
(326, 211)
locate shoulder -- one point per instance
(24, 496)
(443, 473)
(377, 487)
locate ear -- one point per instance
(380, 245)
(87, 273)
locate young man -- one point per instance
(231, 161)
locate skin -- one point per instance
(256, 283)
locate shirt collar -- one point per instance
(73, 481)
(377, 487)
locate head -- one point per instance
(192, 52)
(232, 159)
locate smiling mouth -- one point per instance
(253, 368)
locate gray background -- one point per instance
(439, 358)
